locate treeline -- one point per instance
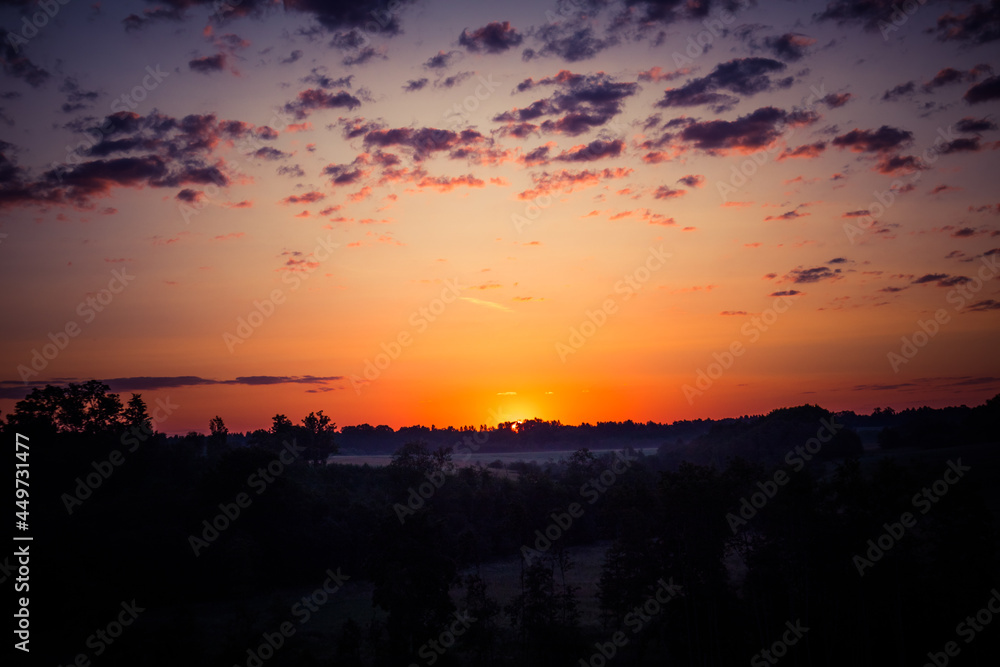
(705, 564)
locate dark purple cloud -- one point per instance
(493, 37)
(584, 102)
(209, 64)
(884, 139)
(790, 46)
(314, 99)
(743, 76)
(984, 91)
(414, 85)
(971, 125)
(751, 132)
(595, 150)
(980, 24)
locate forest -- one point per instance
(801, 536)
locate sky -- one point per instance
(432, 212)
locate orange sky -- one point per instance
(544, 217)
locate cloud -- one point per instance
(208, 64)
(986, 90)
(307, 198)
(984, 306)
(16, 389)
(657, 75)
(692, 180)
(665, 192)
(595, 150)
(884, 139)
(941, 279)
(870, 13)
(790, 46)
(787, 215)
(313, 99)
(950, 75)
(18, 65)
(569, 181)
(294, 170)
(447, 184)
(899, 164)
(343, 174)
(134, 151)
(414, 85)
(971, 125)
(453, 80)
(900, 91)
(804, 151)
(962, 145)
(363, 56)
(787, 292)
(836, 100)
(77, 99)
(671, 11)
(442, 60)
(229, 237)
(317, 77)
(189, 196)
(493, 37)
(583, 102)
(268, 153)
(572, 41)
(152, 15)
(423, 141)
(814, 275)
(748, 133)
(743, 76)
(979, 25)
